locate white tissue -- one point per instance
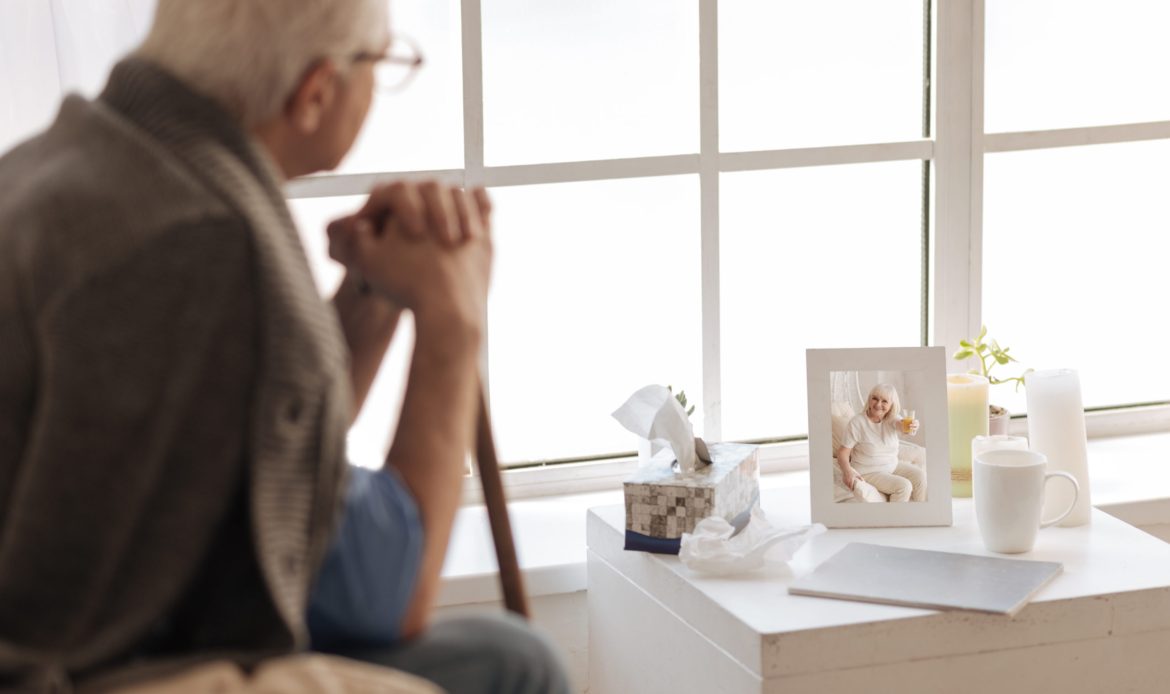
(654, 414)
(712, 549)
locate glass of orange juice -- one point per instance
(907, 421)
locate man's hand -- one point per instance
(425, 246)
(426, 209)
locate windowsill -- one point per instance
(1130, 479)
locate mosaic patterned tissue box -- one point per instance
(662, 504)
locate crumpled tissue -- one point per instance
(654, 414)
(712, 549)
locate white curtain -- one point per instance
(49, 48)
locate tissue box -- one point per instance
(662, 504)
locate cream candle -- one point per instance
(966, 419)
(1056, 425)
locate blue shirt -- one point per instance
(365, 585)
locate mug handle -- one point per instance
(1076, 493)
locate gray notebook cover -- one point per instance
(922, 578)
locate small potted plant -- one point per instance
(700, 444)
(991, 354)
(682, 399)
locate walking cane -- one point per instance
(511, 582)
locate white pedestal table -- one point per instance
(1103, 625)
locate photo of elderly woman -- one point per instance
(874, 452)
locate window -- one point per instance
(596, 292)
(577, 80)
(421, 127)
(801, 269)
(807, 74)
(1087, 226)
(1076, 241)
(1075, 63)
(693, 192)
(634, 248)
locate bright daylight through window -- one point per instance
(693, 192)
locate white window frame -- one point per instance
(956, 151)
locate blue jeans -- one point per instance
(476, 655)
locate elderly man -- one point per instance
(174, 397)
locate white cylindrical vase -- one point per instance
(1056, 427)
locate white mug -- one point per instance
(1009, 494)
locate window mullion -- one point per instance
(472, 34)
(959, 173)
(1077, 137)
(709, 213)
(472, 45)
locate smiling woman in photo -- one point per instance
(869, 449)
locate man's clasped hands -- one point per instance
(424, 246)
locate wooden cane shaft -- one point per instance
(511, 581)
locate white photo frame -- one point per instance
(835, 397)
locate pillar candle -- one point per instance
(1056, 426)
(966, 419)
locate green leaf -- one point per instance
(963, 354)
(982, 333)
(965, 343)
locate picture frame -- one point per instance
(840, 383)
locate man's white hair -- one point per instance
(249, 55)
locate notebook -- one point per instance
(927, 579)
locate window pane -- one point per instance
(370, 435)
(800, 74)
(1074, 254)
(420, 127)
(816, 257)
(596, 293)
(1068, 63)
(311, 216)
(589, 79)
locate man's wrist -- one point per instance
(354, 294)
(449, 332)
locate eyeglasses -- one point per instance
(396, 67)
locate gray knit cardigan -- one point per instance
(169, 381)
